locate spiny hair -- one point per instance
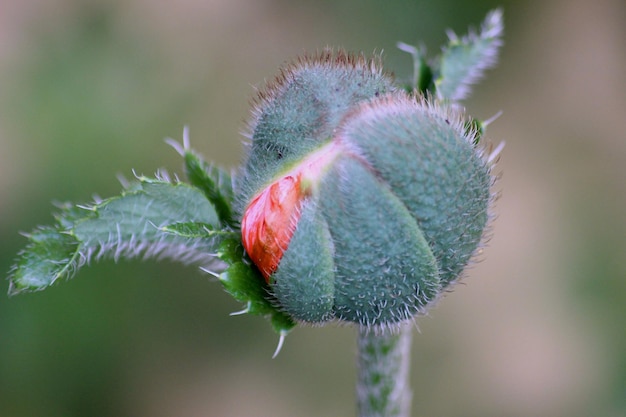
(324, 58)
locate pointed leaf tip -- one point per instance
(464, 60)
(49, 255)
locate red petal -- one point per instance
(269, 222)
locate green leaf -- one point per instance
(151, 218)
(197, 230)
(214, 182)
(464, 60)
(128, 226)
(244, 282)
(49, 255)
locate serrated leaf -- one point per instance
(49, 255)
(464, 60)
(124, 226)
(215, 183)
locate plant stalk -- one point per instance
(383, 373)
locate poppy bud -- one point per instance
(359, 203)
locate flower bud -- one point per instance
(359, 203)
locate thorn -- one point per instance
(452, 37)
(281, 340)
(208, 271)
(123, 181)
(163, 175)
(181, 149)
(494, 154)
(405, 47)
(97, 199)
(62, 205)
(240, 312)
(137, 176)
(416, 325)
(86, 207)
(13, 290)
(176, 145)
(186, 137)
(492, 119)
(157, 227)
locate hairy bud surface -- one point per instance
(359, 203)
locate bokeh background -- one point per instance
(89, 89)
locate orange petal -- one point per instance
(269, 222)
(271, 217)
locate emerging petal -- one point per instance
(271, 217)
(269, 223)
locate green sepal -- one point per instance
(385, 271)
(305, 278)
(244, 283)
(433, 167)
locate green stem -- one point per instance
(383, 373)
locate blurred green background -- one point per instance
(89, 89)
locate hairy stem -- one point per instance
(383, 373)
